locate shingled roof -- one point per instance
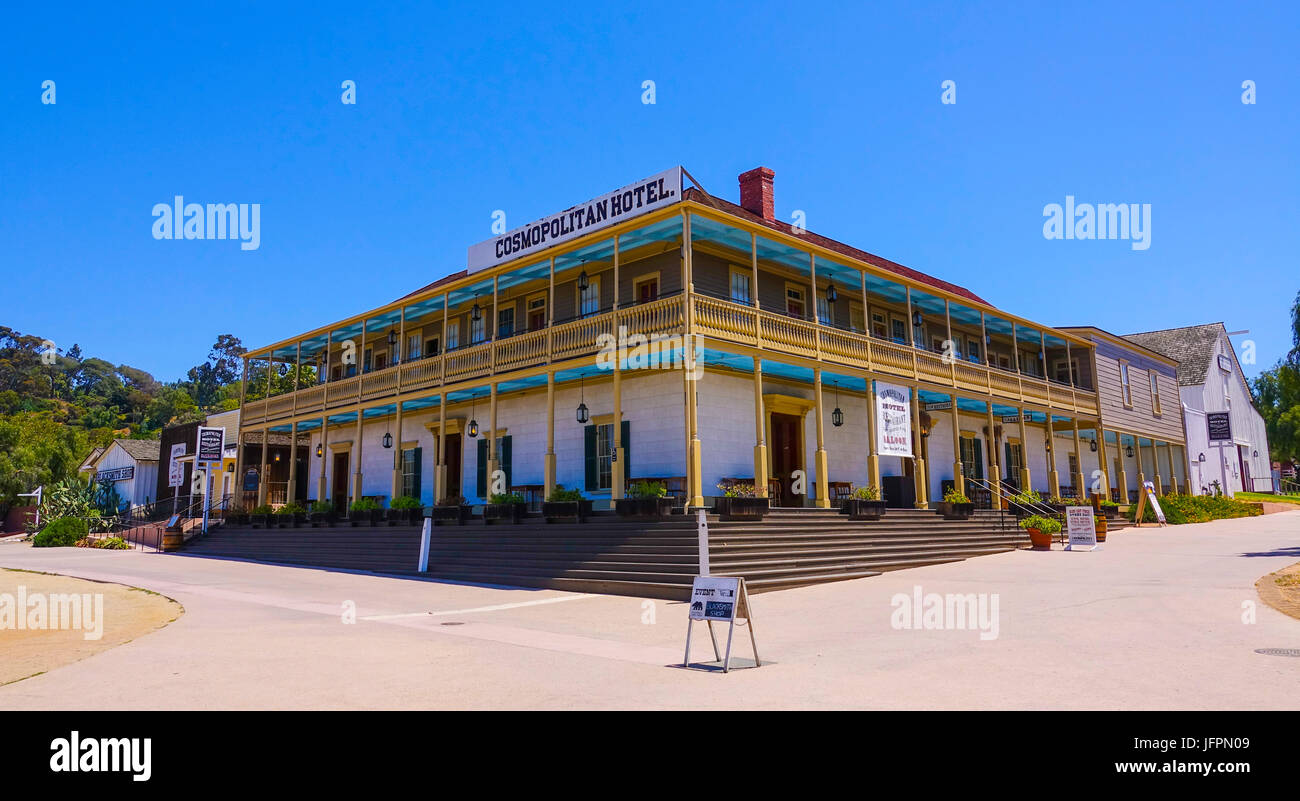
(1193, 347)
(142, 450)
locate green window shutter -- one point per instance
(482, 467)
(626, 435)
(589, 446)
(506, 461)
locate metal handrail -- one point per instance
(1038, 508)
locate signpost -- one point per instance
(722, 599)
(1081, 526)
(208, 453)
(1148, 495)
(1219, 426)
(702, 526)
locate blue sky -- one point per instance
(462, 111)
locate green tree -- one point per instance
(1276, 394)
(36, 450)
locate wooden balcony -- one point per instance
(717, 319)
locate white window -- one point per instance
(605, 456)
(740, 287)
(453, 334)
(589, 298)
(506, 322)
(823, 310)
(413, 346)
(1155, 392)
(476, 329)
(1126, 391)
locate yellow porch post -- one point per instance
(819, 458)
(958, 469)
(1100, 435)
(291, 494)
(1053, 473)
(995, 471)
(322, 485)
(357, 473)
(548, 463)
(1080, 491)
(918, 461)
(261, 477)
(397, 453)
(1026, 479)
(1123, 467)
(617, 474)
(1173, 472)
(1137, 450)
(1155, 467)
(440, 467)
(760, 432)
(694, 460)
(873, 454)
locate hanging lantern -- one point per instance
(277, 456)
(1128, 451)
(388, 440)
(473, 424)
(583, 414)
(476, 313)
(392, 337)
(837, 416)
(1092, 446)
(831, 294)
(917, 319)
(320, 451)
(583, 281)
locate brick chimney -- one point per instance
(756, 192)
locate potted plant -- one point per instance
(1110, 509)
(236, 515)
(956, 506)
(1041, 531)
(366, 510)
(1058, 504)
(451, 509)
(741, 502)
(291, 514)
(564, 504)
(321, 514)
(864, 503)
(405, 511)
(1025, 503)
(504, 506)
(1099, 523)
(645, 499)
(261, 516)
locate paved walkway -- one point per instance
(1153, 620)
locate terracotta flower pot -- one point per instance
(1040, 541)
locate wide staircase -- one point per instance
(657, 559)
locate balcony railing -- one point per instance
(714, 318)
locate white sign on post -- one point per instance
(893, 420)
(175, 468)
(721, 599)
(1081, 527)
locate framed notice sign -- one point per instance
(175, 468)
(211, 445)
(720, 599)
(1219, 426)
(893, 420)
(1081, 528)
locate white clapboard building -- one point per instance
(131, 467)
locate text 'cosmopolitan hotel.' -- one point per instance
(755, 352)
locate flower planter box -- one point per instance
(578, 511)
(260, 521)
(955, 511)
(237, 519)
(291, 520)
(406, 517)
(451, 514)
(643, 507)
(859, 509)
(741, 508)
(1040, 541)
(512, 512)
(321, 519)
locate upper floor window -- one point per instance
(506, 322)
(740, 287)
(589, 298)
(453, 335)
(823, 310)
(1155, 392)
(477, 329)
(413, 347)
(1126, 391)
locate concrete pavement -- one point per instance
(1159, 618)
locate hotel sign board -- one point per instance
(1219, 425)
(211, 445)
(893, 420)
(609, 209)
(1081, 527)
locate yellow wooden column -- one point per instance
(694, 457)
(261, 477)
(1080, 491)
(1053, 473)
(239, 471)
(1026, 479)
(1137, 451)
(1155, 467)
(1123, 467)
(292, 494)
(958, 469)
(617, 474)
(1102, 464)
(760, 432)
(322, 484)
(357, 446)
(548, 462)
(397, 453)
(819, 458)
(493, 464)
(440, 466)
(995, 470)
(873, 453)
(918, 461)
(1173, 472)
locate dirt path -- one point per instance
(1281, 590)
(107, 615)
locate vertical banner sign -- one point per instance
(1081, 528)
(633, 200)
(893, 420)
(175, 468)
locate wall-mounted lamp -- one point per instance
(1200, 457)
(320, 451)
